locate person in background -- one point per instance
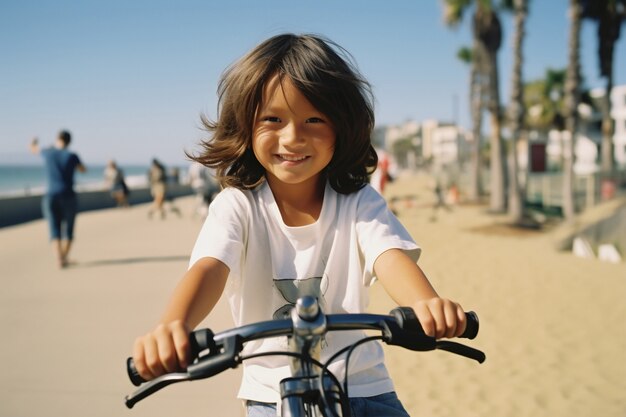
(440, 199)
(158, 181)
(157, 175)
(60, 204)
(381, 176)
(114, 178)
(204, 185)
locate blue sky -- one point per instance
(130, 78)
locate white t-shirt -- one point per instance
(272, 264)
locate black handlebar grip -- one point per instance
(471, 329)
(133, 375)
(199, 341)
(406, 318)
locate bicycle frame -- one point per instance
(311, 390)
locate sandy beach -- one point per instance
(552, 324)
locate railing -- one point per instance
(546, 189)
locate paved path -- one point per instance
(68, 332)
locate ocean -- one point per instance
(21, 180)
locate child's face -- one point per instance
(292, 140)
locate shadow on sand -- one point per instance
(126, 261)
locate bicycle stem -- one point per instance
(309, 325)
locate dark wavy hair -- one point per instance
(324, 73)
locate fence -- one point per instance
(546, 189)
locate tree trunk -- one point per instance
(607, 162)
(572, 94)
(516, 200)
(497, 200)
(476, 107)
(488, 33)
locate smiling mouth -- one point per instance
(292, 158)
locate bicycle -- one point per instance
(312, 390)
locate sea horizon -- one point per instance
(21, 179)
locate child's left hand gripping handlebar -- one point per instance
(406, 331)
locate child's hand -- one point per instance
(440, 317)
(164, 350)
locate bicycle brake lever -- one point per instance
(200, 341)
(462, 350)
(155, 385)
(222, 356)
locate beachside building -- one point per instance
(438, 142)
(394, 133)
(449, 144)
(444, 143)
(618, 113)
(403, 141)
(545, 150)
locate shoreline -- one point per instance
(23, 180)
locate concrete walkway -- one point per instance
(67, 333)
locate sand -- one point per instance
(552, 324)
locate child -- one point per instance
(291, 148)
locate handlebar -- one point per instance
(216, 353)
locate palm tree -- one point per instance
(470, 57)
(571, 100)
(544, 100)
(487, 35)
(516, 109)
(609, 14)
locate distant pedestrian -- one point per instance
(381, 176)
(59, 204)
(440, 200)
(114, 177)
(158, 187)
(204, 185)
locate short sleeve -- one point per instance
(224, 232)
(379, 230)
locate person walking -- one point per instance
(59, 203)
(205, 187)
(158, 181)
(440, 200)
(114, 177)
(157, 176)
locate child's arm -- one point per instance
(166, 348)
(407, 285)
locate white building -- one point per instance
(589, 138)
(618, 113)
(394, 133)
(448, 144)
(442, 143)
